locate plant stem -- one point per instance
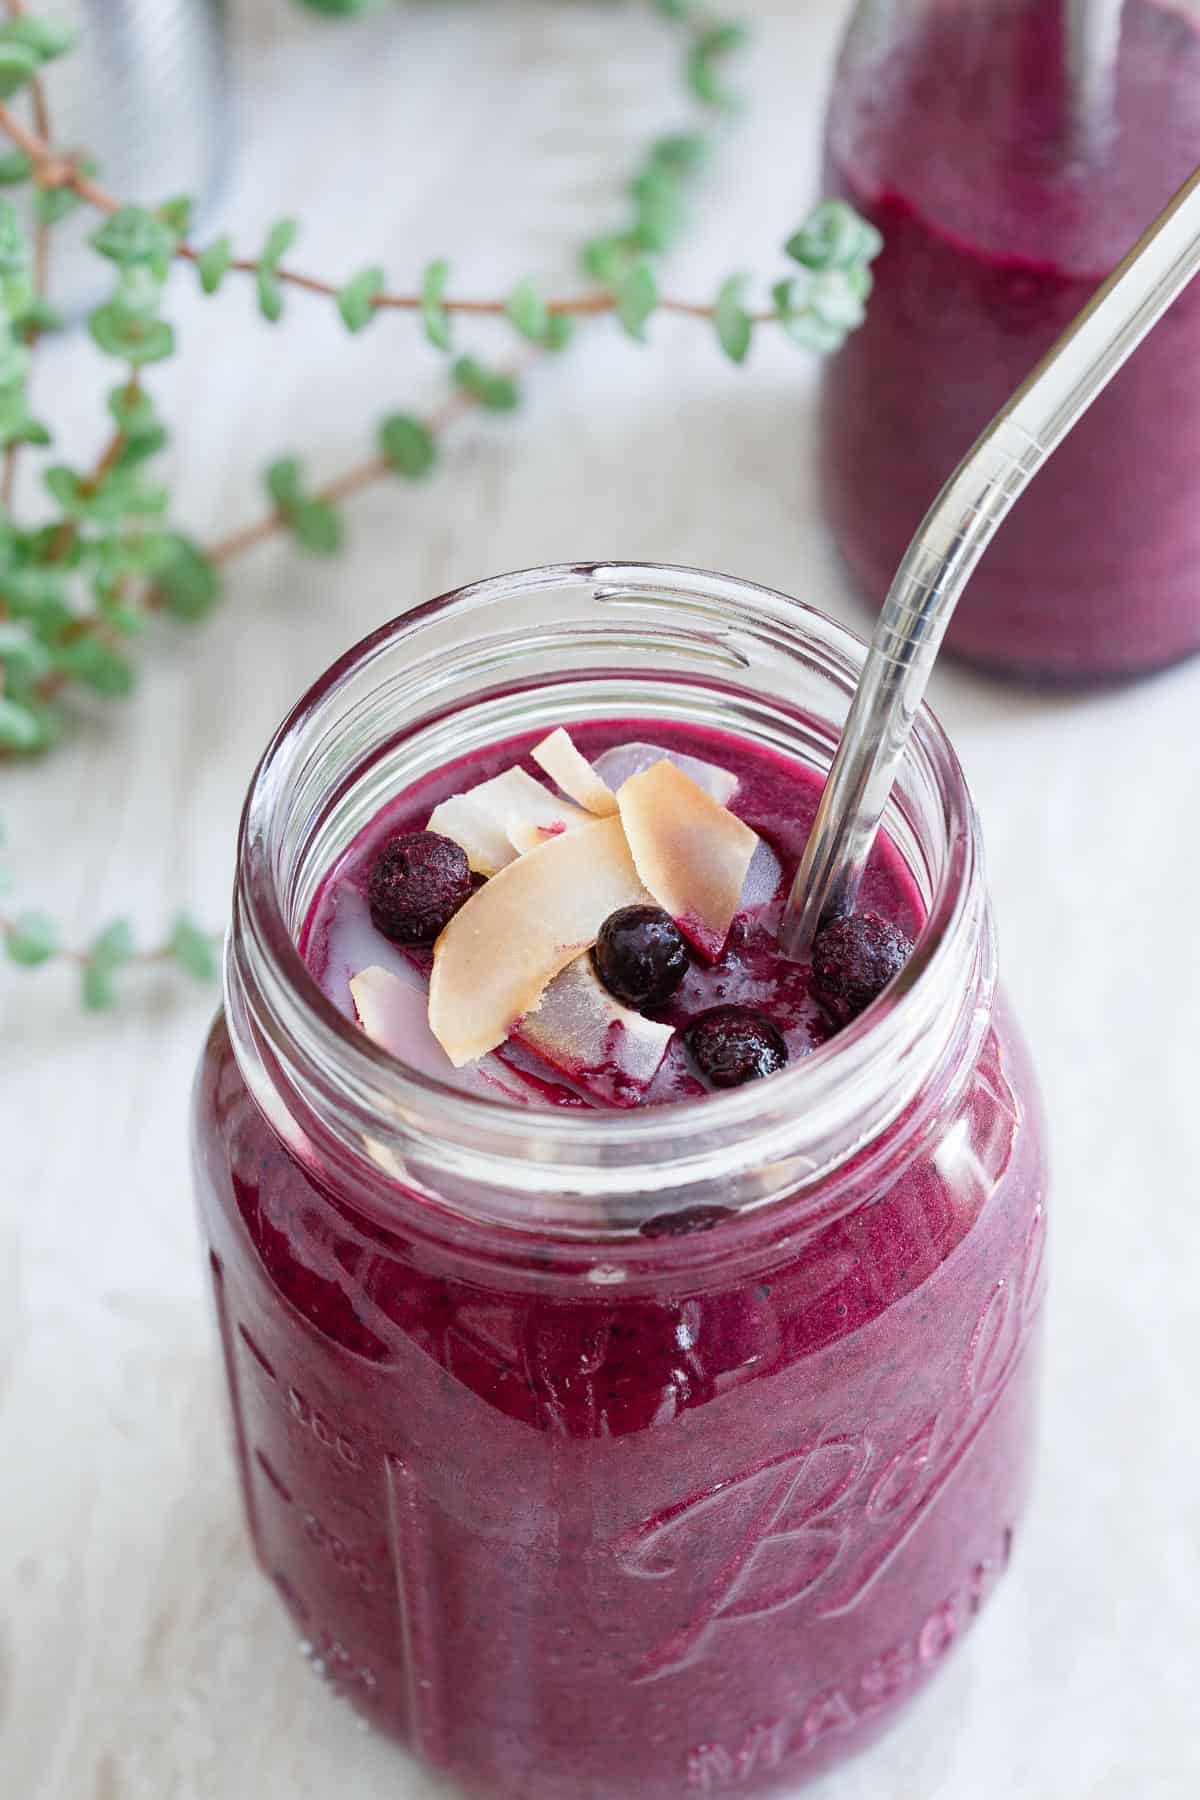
(53, 170)
(140, 959)
(41, 251)
(352, 481)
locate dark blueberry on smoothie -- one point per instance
(417, 883)
(853, 960)
(640, 955)
(732, 1045)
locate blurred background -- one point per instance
(139, 1655)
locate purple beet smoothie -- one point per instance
(999, 222)
(707, 1531)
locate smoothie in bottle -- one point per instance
(1007, 187)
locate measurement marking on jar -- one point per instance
(258, 1355)
(229, 1346)
(339, 1552)
(416, 1593)
(275, 1480)
(769, 1743)
(329, 1658)
(324, 1430)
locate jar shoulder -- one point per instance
(923, 1249)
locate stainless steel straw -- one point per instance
(953, 536)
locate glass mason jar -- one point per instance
(1011, 151)
(613, 1454)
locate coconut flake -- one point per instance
(571, 771)
(623, 760)
(494, 960)
(393, 1010)
(692, 853)
(608, 1050)
(484, 839)
(483, 819)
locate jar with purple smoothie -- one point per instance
(631, 1336)
(1011, 152)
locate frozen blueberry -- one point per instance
(733, 1044)
(417, 882)
(853, 960)
(640, 956)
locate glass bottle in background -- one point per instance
(1011, 151)
(145, 92)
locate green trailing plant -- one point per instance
(82, 580)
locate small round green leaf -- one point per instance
(109, 953)
(15, 167)
(64, 485)
(284, 479)
(46, 38)
(559, 331)
(176, 215)
(280, 238)
(733, 323)
(18, 64)
(636, 296)
(132, 336)
(408, 444)
(187, 580)
(96, 665)
(14, 244)
(132, 235)
(527, 312)
(433, 312)
(193, 949)
(495, 392)
(19, 649)
(684, 152)
(834, 237)
(131, 409)
(213, 264)
(356, 301)
(32, 938)
(52, 204)
(270, 294)
(704, 60)
(19, 728)
(606, 258)
(317, 527)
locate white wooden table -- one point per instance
(141, 1658)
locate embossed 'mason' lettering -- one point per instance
(712, 1767)
(769, 1744)
(823, 1522)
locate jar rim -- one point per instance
(594, 1151)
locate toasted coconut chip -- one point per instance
(482, 837)
(692, 853)
(483, 818)
(623, 760)
(393, 1010)
(608, 1050)
(571, 771)
(494, 960)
